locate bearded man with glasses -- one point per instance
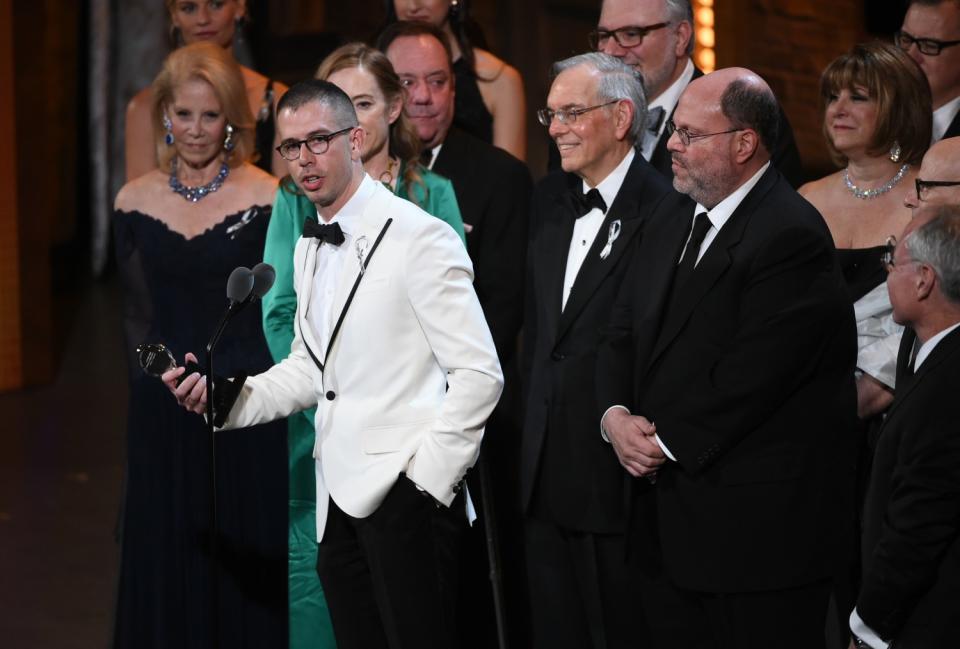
(931, 36)
(727, 372)
(656, 38)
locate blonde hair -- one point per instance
(214, 65)
(404, 143)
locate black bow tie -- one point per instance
(583, 203)
(331, 233)
(655, 119)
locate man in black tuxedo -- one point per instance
(727, 373)
(911, 535)
(656, 37)
(586, 221)
(493, 191)
(931, 36)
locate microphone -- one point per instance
(239, 288)
(263, 277)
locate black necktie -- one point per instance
(700, 226)
(329, 232)
(586, 202)
(426, 157)
(655, 119)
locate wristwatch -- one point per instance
(859, 643)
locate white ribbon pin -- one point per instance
(612, 233)
(361, 247)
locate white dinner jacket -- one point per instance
(412, 376)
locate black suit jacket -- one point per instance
(493, 191)
(748, 377)
(911, 534)
(568, 473)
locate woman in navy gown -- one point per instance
(180, 230)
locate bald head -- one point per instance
(941, 163)
(736, 114)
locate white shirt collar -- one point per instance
(723, 210)
(927, 347)
(668, 98)
(609, 187)
(348, 214)
(943, 117)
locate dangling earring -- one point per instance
(454, 7)
(895, 152)
(228, 142)
(168, 127)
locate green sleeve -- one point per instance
(280, 303)
(440, 201)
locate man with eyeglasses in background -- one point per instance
(656, 37)
(938, 181)
(586, 221)
(727, 371)
(931, 36)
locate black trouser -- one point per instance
(792, 618)
(390, 578)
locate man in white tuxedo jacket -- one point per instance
(392, 346)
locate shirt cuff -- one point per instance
(603, 433)
(865, 633)
(663, 447)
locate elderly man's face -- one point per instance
(588, 143)
(704, 169)
(940, 164)
(660, 53)
(423, 67)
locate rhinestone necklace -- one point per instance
(865, 194)
(194, 194)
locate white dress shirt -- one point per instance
(668, 101)
(857, 625)
(942, 118)
(718, 217)
(586, 227)
(329, 264)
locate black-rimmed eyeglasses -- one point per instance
(316, 144)
(686, 137)
(928, 46)
(924, 186)
(546, 115)
(630, 36)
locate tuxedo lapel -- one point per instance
(594, 269)
(362, 239)
(711, 266)
(304, 292)
(555, 246)
(944, 350)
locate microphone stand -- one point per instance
(214, 521)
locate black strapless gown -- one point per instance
(862, 269)
(174, 293)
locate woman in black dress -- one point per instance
(180, 230)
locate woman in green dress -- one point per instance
(391, 153)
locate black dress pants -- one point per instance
(390, 578)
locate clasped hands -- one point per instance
(633, 440)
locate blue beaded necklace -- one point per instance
(194, 194)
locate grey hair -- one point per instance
(678, 11)
(937, 244)
(617, 81)
(328, 94)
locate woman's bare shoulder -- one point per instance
(142, 192)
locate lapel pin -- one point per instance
(612, 233)
(361, 247)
